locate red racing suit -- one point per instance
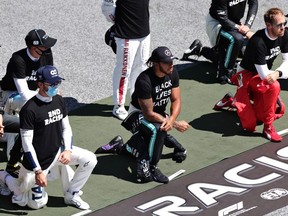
(256, 100)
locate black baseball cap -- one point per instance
(162, 54)
(38, 37)
(110, 38)
(48, 74)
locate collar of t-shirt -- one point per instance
(30, 56)
(44, 99)
(266, 32)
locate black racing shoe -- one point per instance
(194, 49)
(143, 171)
(13, 170)
(114, 146)
(179, 155)
(223, 80)
(157, 175)
(224, 75)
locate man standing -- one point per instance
(47, 142)
(226, 33)
(257, 82)
(132, 36)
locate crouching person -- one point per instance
(47, 142)
(155, 88)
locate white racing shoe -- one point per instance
(120, 112)
(75, 200)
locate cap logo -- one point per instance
(168, 53)
(45, 37)
(35, 43)
(53, 72)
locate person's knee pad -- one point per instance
(37, 197)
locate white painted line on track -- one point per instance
(179, 172)
(82, 212)
(283, 131)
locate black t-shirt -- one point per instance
(45, 119)
(261, 50)
(148, 85)
(132, 19)
(22, 66)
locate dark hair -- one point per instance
(271, 13)
(149, 63)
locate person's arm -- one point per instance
(65, 156)
(174, 109)
(27, 137)
(222, 14)
(244, 29)
(146, 106)
(269, 75)
(283, 68)
(23, 90)
(252, 12)
(272, 75)
(181, 126)
(263, 71)
(108, 9)
(30, 153)
(175, 104)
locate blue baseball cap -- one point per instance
(48, 74)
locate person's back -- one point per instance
(132, 19)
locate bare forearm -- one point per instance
(175, 110)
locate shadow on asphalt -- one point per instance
(200, 71)
(225, 122)
(120, 166)
(94, 109)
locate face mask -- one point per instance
(52, 91)
(47, 52)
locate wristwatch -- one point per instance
(280, 73)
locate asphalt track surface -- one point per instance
(81, 55)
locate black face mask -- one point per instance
(47, 52)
